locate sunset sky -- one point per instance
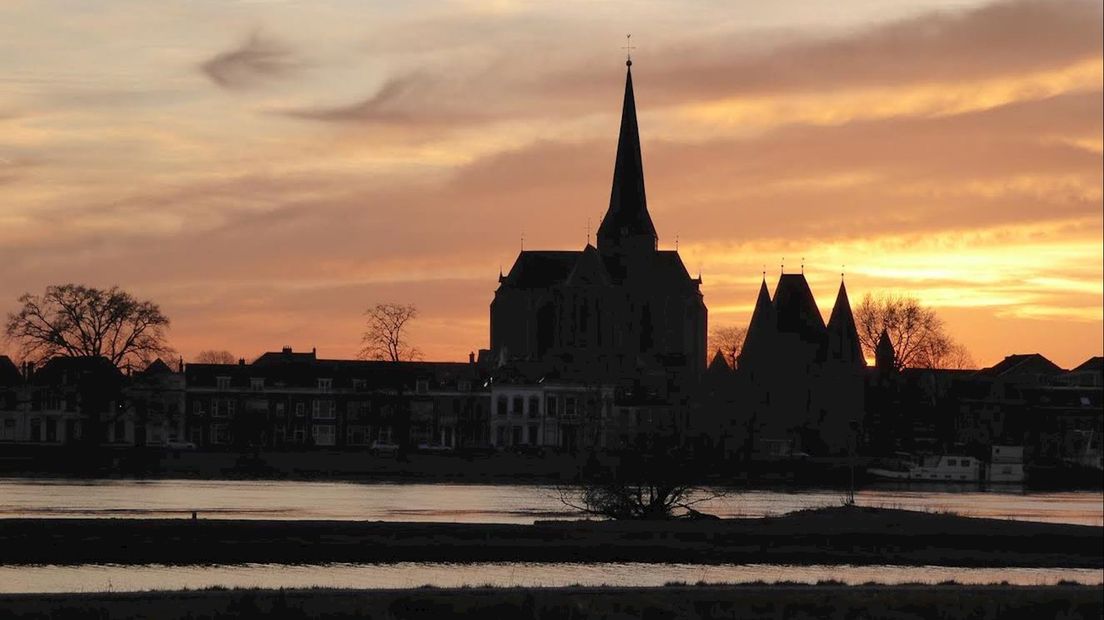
(265, 170)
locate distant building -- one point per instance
(801, 381)
(293, 400)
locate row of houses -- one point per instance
(295, 400)
(290, 399)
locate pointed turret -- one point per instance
(762, 328)
(885, 358)
(627, 225)
(843, 338)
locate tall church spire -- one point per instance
(627, 224)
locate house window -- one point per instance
(534, 406)
(197, 407)
(421, 386)
(256, 384)
(53, 402)
(323, 434)
(223, 383)
(219, 434)
(325, 384)
(501, 405)
(323, 410)
(358, 384)
(217, 410)
(519, 405)
(550, 406)
(569, 405)
(7, 430)
(280, 410)
(231, 407)
(463, 386)
(300, 409)
(356, 435)
(299, 436)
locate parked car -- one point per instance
(179, 444)
(383, 447)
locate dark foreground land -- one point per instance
(827, 536)
(752, 601)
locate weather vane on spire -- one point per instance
(629, 47)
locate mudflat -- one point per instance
(838, 535)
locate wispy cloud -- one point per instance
(260, 59)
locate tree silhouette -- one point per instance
(76, 320)
(919, 337)
(729, 340)
(654, 482)
(211, 356)
(385, 336)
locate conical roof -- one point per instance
(797, 309)
(885, 357)
(763, 323)
(843, 338)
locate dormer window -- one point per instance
(463, 386)
(223, 383)
(358, 384)
(256, 384)
(421, 386)
(325, 384)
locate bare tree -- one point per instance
(653, 484)
(385, 336)
(211, 356)
(77, 320)
(729, 340)
(919, 337)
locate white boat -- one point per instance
(935, 468)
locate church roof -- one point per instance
(541, 268)
(797, 309)
(589, 269)
(843, 338)
(628, 209)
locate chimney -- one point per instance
(471, 357)
(286, 349)
(241, 361)
(180, 364)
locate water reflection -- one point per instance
(110, 577)
(479, 503)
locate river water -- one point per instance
(483, 503)
(119, 578)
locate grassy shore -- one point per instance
(826, 536)
(751, 601)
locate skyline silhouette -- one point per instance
(264, 187)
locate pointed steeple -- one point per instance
(843, 338)
(762, 328)
(885, 357)
(627, 224)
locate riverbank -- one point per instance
(764, 601)
(465, 466)
(841, 535)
